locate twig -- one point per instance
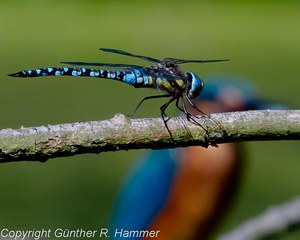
(121, 133)
(274, 221)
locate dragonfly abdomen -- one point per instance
(134, 77)
(66, 71)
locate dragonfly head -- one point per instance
(196, 85)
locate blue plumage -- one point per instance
(137, 207)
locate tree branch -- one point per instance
(121, 133)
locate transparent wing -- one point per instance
(165, 61)
(146, 58)
(121, 65)
(181, 61)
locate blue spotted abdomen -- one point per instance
(134, 77)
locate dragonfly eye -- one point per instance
(196, 85)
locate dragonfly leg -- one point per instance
(206, 115)
(188, 115)
(164, 115)
(183, 108)
(177, 105)
(191, 118)
(147, 98)
(193, 105)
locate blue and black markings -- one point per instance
(133, 77)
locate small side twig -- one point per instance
(274, 221)
(121, 133)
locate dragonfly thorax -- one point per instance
(196, 85)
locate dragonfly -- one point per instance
(179, 86)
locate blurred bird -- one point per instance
(182, 193)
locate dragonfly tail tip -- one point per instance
(17, 74)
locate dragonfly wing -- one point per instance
(103, 64)
(146, 58)
(181, 61)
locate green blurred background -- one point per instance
(262, 40)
